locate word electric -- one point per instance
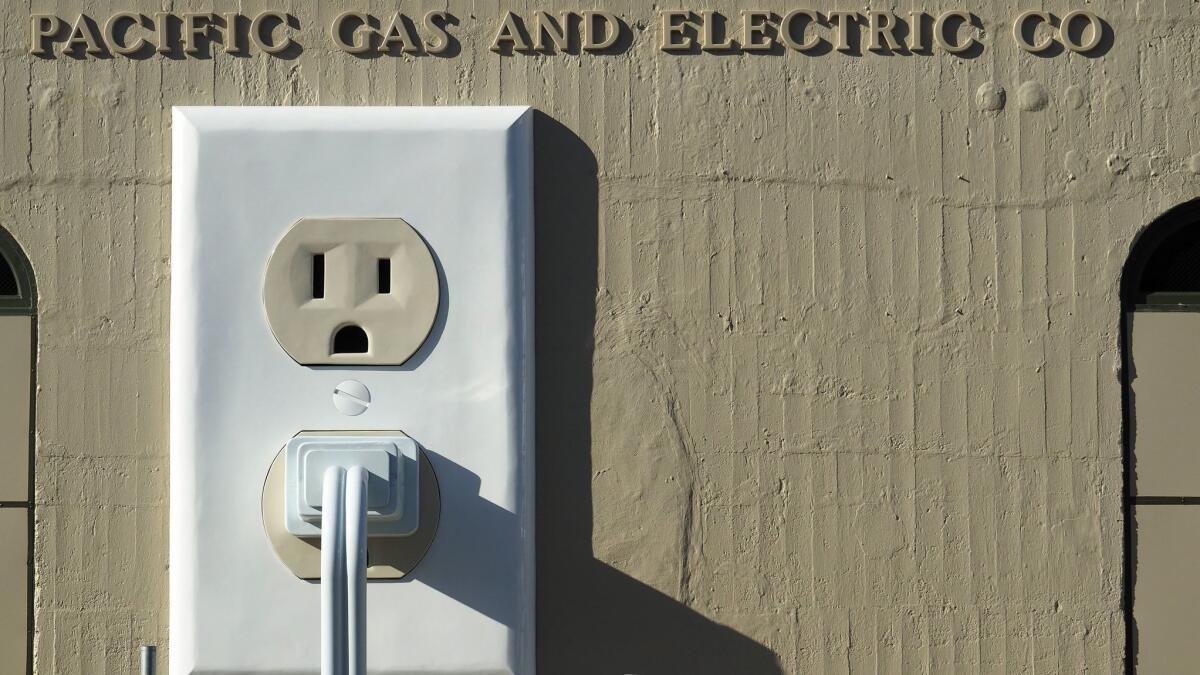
(806, 30)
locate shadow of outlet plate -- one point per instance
(591, 617)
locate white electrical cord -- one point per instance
(344, 571)
(356, 570)
(333, 573)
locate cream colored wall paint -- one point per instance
(828, 369)
(1164, 394)
(16, 338)
(14, 589)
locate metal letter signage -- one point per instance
(679, 31)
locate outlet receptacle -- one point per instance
(351, 291)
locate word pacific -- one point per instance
(137, 35)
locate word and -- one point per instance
(596, 31)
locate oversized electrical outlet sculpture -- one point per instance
(351, 391)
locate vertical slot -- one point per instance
(318, 275)
(385, 275)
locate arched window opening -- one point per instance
(1160, 295)
(18, 338)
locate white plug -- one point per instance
(393, 499)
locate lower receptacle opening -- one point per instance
(351, 339)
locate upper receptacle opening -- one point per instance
(351, 291)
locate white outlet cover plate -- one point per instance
(462, 177)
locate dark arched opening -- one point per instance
(351, 339)
(8, 280)
(1163, 268)
(17, 294)
(1160, 349)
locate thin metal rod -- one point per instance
(333, 573)
(356, 570)
(149, 659)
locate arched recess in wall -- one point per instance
(1160, 296)
(18, 339)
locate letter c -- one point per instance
(111, 28)
(939, 32)
(262, 39)
(787, 36)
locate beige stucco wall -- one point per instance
(827, 355)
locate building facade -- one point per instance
(828, 321)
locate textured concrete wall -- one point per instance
(828, 369)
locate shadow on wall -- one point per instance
(592, 618)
